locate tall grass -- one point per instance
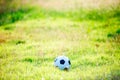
(78, 15)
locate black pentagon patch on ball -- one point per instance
(69, 62)
(62, 61)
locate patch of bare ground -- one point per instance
(3, 37)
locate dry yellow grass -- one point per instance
(73, 4)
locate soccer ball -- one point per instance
(62, 62)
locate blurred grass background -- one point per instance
(34, 32)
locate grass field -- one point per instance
(33, 36)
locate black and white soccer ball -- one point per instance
(62, 62)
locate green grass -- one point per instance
(30, 42)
